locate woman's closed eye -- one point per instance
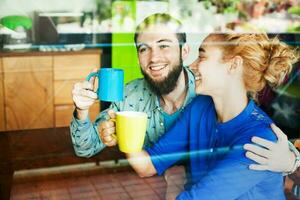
(201, 55)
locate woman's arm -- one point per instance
(171, 147)
(141, 163)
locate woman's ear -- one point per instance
(236, 64)
(185, 50)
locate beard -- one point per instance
(166, 85)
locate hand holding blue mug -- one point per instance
(111, 83)
(83, 94)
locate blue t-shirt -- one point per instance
(218, 166)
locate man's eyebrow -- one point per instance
(164, 40)
(139, 45)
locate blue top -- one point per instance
(218, 166)
(170, 119)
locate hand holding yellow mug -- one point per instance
(131, 130)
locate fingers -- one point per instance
(109, 140)
(258, 150)
(92, 80)
(107, 131)
(111, 143)
(111, 114)
(260, 160)
(262, 142)
(280, 135)
(84, 89)
(84, 85)
(258, 167)
(85, 93)
(107, 124)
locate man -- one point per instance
(167, 87)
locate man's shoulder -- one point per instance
(137, 88)
(137, 96)
(135, 84)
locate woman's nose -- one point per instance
(194, 65)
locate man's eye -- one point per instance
(143, 49)
(163, 46)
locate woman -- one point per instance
(232, 68)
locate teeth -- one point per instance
(198, 77)
(157, 67)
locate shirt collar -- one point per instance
(191, 87)
(239, 120)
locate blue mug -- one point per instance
(111, 84)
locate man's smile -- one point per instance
(157, 69)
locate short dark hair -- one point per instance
(161, 18)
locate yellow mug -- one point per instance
(131, 130)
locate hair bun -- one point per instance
(280, 61)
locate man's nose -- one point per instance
(155, 55)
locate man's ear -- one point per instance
(185, 50)
(236, 64)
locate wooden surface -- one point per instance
(37, 87)
(68, 67)
(28, 149)
(63, 91)
(28, 86)
(2, 116)
(64, 113)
